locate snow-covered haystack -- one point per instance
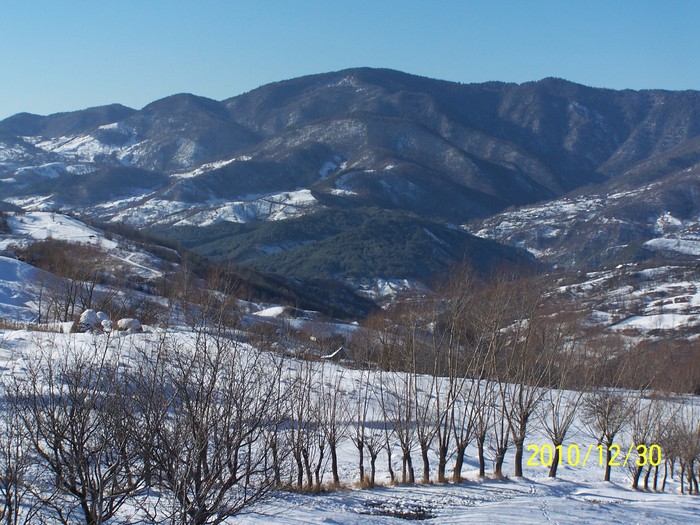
(129, 325)
(89, 321)
(105, 321)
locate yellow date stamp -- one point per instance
(572, 455)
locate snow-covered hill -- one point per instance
(587, 230)
(577, 495)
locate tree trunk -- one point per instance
(392, 474)
(408, 473)
(317, 471)
(426, 463)
(555, 461)
(442, 463)
(646, 478)
(372, 468)
(275, 463)
(300, 470)
(692, 480)
(90, 518)
(519, 450)
(482, 458)
(635, 477)
(500, 458)
(334, 464)
(608, 467)
(663, 481)
(307, 467)
(459, 463)
(361, 460)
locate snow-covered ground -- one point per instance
(639, 298)
(84, 148)
(386, 289)
(527, 501)
(20, 283)
(276, 207)
(665, 297)
(37, 226)
(17, 294)
(577, 496)
(149, 210)
(539, 227)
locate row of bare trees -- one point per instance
(195, 427)
(177, 428)
(490, 364)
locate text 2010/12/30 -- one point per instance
(571, 455)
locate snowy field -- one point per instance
(578, 495)
(526, 501)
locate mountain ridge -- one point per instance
(352, 139)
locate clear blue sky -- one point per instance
(72, 54)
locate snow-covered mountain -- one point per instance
(607, 176)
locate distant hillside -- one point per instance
(240, 178)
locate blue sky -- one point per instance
(73, 54)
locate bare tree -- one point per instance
(557, 416)
(448, 371)
(687, 437)
(426, 416)
(76, 414)
(484, 400)
(525, 350)
(646, 415)
(333, 414)
(607, 409)
(462, 364)
(562, 402)
(397, 388)
(208, 451)
(500, 427)
(302, 428)
(16, 478)
(76, 274)
(470, 330)
(207, 303)
(605, 413)
(400, 409)
(364, 394)
(387, 426)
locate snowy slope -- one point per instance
(39, 225)
(638, 299)
(140, 211)
(529, 501)
(576, 496)
(31, 227)
(17, 293)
